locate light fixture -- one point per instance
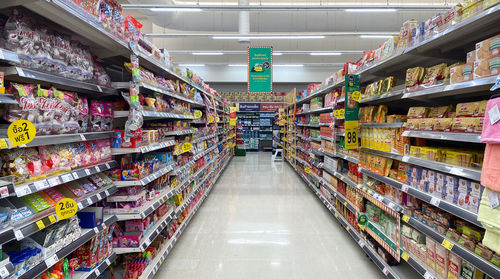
(287, 37)
(277, 53)
(237, 65)
(361, 10)
(375, 36)
(325, 53)
(160, 10)
(191, 65)
(289, 65)
(208, 53)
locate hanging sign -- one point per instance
(260, 69)
(352, 96)
(21, 132)
(66, 208)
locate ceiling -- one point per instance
(303, 22)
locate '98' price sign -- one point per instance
(351, 134)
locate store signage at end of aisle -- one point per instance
(66, 208)
(260, 69)
(270, 107)
(248, 107)
(21, 132)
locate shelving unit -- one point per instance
(255, 129)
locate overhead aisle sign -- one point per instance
(260, 69)
(351, 123)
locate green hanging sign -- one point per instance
(260, 69)
(351, 124)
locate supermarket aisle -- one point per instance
(261, 221)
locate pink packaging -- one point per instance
(441, 261)
(101, 116)
(454, 265)
(134, 225)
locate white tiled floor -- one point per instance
(261, 221)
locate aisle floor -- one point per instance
(261, 221)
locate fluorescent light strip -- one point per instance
(375, 36)
(207, 53)
(325, 53)
(289, 65)
(361, 10)
(267, 37)
(160, 10)
(277, 53)
(191, 65)
(237, 65)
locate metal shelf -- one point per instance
(149, 236)
(320, 110)
(426, 197)
(25, 75)
(55, 180)
(143, 211)
(383, 125)
(458, 36)
(64, 138)
(462, 137)
(87, 234)
(145, 180)
(154, 114)
(143, 149)
(320, 92)
(308, 125)
(393, 95)
(154, 89)
(97, 271)
(7, 99)
(459, 250)
(474, 174)
(340, 197)
(473, 86)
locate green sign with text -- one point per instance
(260, 69)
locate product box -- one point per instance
(462, 73)
(441, 262)
(471, 57)
(454, 265)
(475, 189)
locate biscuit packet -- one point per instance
(443, 124)
(434, 74)
(417, 112)
(439, 112)
(466, 124)
(414, 76)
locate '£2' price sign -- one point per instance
(21, 132)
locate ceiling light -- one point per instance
(289, 65)
(191, 65)
(370, 10)
(207, 53)
(277, 53)
(175, 10)
(267, 37)
(237, 65)
(376, 36)
(325, 53)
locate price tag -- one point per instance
(405, 256)
(67, 177)
(211, 119)
(40, 184)
(54, 181)
(356, 96)
(385, 271)
(97, 272)
(406, 218)
(52, 219)
(82, 137)
(51, 261)
(108, 263)
(89, 201)
(18, 234)
(351, 134)
(80, 205)
(456, 171)
(87, 171)
(405, 159)
(447, 244)
(307, 170)
(99, 88)
(404, 188)
(428, 275)
(3, 271)
(40, 224)
(66, 208)
(108, 166)
(75, 175)
(99, 196)
(494, 114)
(21, 132)
(336, 215)
(20, 72)
(493, 199)
(361, 243)
(97, 169)
(347, 228)
(3, 144)
(435, 201)
(106, 192)
(96, 230)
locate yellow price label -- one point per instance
(356, 96)
(187, 146)
(345, 203)
(308, 170)
(447, 244)
(405, 256)
(339, 114)
(3, 144)
(66, 208)
(351, 134)
(40, 224)
(406, 218)
(52, 219)
(21, 132)
(198, 114)
(347, 228)
(336, 215)
(211, 119)
(217, 119)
